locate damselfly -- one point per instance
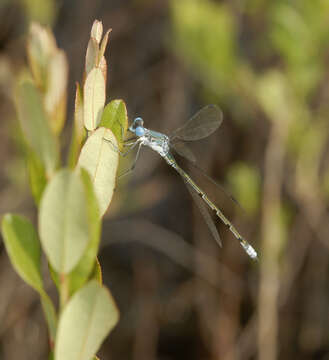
(201, 125)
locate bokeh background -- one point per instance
(266, 64)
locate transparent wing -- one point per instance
(204, 212)
(201, 125)
(183, 150)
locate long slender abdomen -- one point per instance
(244, 243)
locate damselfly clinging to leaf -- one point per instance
(201, 125)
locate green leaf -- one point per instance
(81, 273)
(79, 132)
(50, 314)
(100, 157)
(115, 118)
(23, 248)
(86, 266)
(94, 98)
(37, 175)
(64, 223)
(85, 322)
(35, 125)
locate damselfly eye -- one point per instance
(138, 122)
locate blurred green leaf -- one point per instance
(204, 35)
(37, 175)
(43, 11)
(23, 247)
(41, 45)
(79, 132)
(50, 314)
(100, 157)
(276, 97)
(94, 98)
(298, 43)
(55, 96)
(64, 223)
(246, 186)
(115, 118)
(35, 126)
(85, 322)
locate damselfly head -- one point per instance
(137, 127)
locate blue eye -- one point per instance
(139, 131)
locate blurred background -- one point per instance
(266, 64)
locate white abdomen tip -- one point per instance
(250, 251)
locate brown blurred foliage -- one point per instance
(265, 63)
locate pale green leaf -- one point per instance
(100, 157)
(85, 322)
(86, 266)
(23, 247)
(94, 98)
(35, 125)
(104, 44)
(63, 220)
(91, 55)
(97, 30)
(103, 66)
(80, 274)
(115, 118)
